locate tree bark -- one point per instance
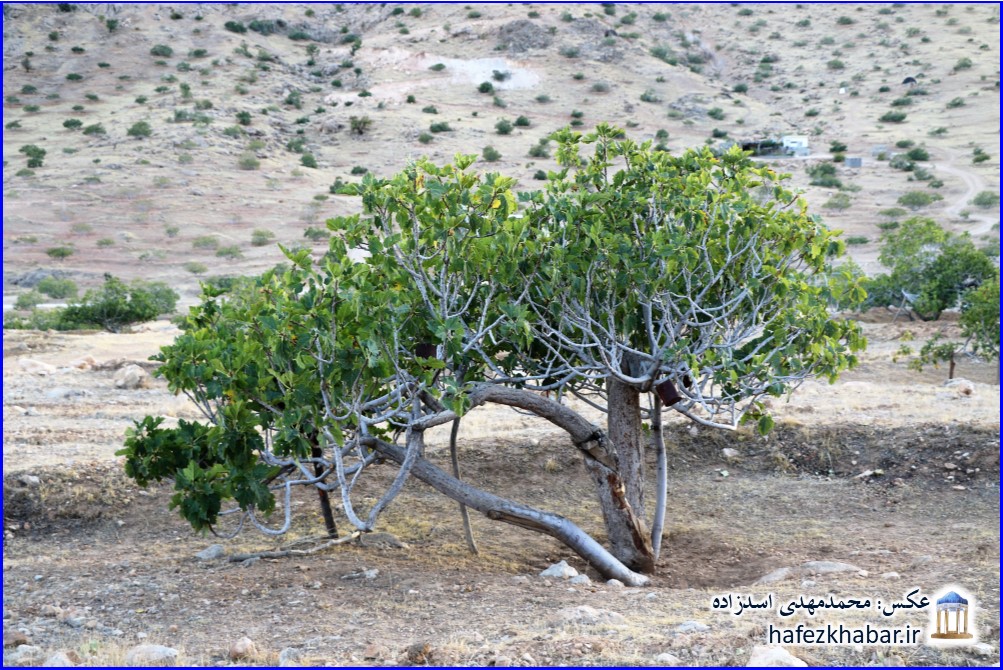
(624, 429)
(468, 532)
(500, 509)
(325, 501)
(661, 478)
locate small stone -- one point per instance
(959, 487)
(560, 570)
(131, 377)
(211, 553)
(250, 561)
(501, 661)
(58, 660)
(25, 654)
(614, 584)
(807, 583)
(580, 580)
(14, 639)
(778, 575)
(151, 655)
(419, 653)
(36, 367)
(667, 660)
(863, 573)
(950, 466)
(825, 567)
(982, 649)
(289, 657)
(691, 627)
(890, 575)
(528, 658)
(520, 579)
(961, 386)
(893, 661)
(243, 648)
(729, 453)
(724, 473)
(773, 657)
(83, 363)
(651, 596)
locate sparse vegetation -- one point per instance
(140, 129)
(986, 199)
(491, 154)
(261, 236)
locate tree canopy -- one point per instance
(693, 280)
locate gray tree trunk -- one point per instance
(661, 478)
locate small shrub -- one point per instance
(600, 87)
(569, 52)
(543, 98)
(438, 67)
(838, 201)
(522, 122)
(901, 102)
(441, 127)
(918, 199)
(59, 253)
(195, 267)
(979, 155)
(106, 242)
(261, 236)
(812, 112)
(425, 138)
(235, 27)
(73, 76)
(986, 199)
(140, 129)
(248, 161)
(650, 95)
(308, 160)
(892, 117)
(206, 242)
(360, 124)
(491, 154)
(503, 127)
(955, 103)
(963, 64)
(231, 252)
(316, 234)
(29, 300)
(486, 87)
(58, 288)
(918, 154)
(72, 124)
(857, 240)
(845, 21)
(162, 51)
(740, 88)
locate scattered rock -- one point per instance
(211, 553)
(950, 466)
(243, 648)
(151, 654)
(371, 573)
(31, 481)
(667, 660)
(501, 661)
(807, 583)
(778, 575)
(773, 657)
(36, 367)
(825, 567)
(691, 627)
(419, 653)
(520, 579)
(58, 660)
(60, 393)
(961, 386)
(578, 580)
(730, 453)
(131, 377)
(289, 657)
(560, 570)
(890, 575)
(25, 654)
(250, 561)
(375, 652)
(528, 658)
(83, 363)
(13, 639)
(894, 661)
(982, 649)
(614, 584)
(584, 615)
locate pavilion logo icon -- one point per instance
(952, 619)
